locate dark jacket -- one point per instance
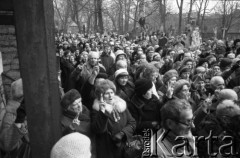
(125, 92)
(88, 95)
(145, 112)
(105, 128)
(66, 68)
(107, 62)
(13, 139)
(84, 119)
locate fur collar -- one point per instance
(119, 103)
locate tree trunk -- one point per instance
(162, 11)
(66, 16)
(89, 22)
(199, 13)
(100, 18)
(120, 18)
(135, 17)
(127, 14)
(95, 16)
(180, 18)
(203, 16)
(190, 11)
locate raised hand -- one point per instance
(169, 90)
(95, 70)
(207, 102)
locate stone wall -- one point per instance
(8, 47)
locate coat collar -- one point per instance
(119, 104)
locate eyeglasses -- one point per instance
(188, 123)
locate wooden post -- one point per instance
(35, 43)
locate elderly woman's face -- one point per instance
(184, 93)
(123, 80)
(189, 64)
(76, 106)
(172, 81)
(185, 75)
(108, 96)
(153, 77)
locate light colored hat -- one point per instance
(74, 145)
(17, 88)
(121, 72)
(228, 94)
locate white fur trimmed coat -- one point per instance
(105, 128)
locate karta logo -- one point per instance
(224, 145)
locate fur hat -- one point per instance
(179, 84)
(105, 85)
(121, 72)
(225, 62)
(142, 86)
(120, 52)
(184, 69)
(69, 98)
(74, 145)
(185, 60)
(169, 74)
(200, 69)
(228, 108)
(201, 61)
(228, 94)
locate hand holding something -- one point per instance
(95, 70)
(207, 103)
(169, 90)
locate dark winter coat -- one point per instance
(88, 95)
(84, 119)
(66, 68)
(125, 92)
(107, 61)
(145, 112)
(105, 128)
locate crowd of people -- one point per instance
(113, 88)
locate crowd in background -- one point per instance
(113, 87)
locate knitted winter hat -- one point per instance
(185, 60)
(121, 72)
(201, 61)
(104, 86)
(169, 74)
(225, 62)
(69, 98)
(142, 86)
(179, 84)
(200, 69)
(228, 94)
(120, 52)
(74, 145)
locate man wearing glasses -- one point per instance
(175, 138)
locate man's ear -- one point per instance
(170, 124)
